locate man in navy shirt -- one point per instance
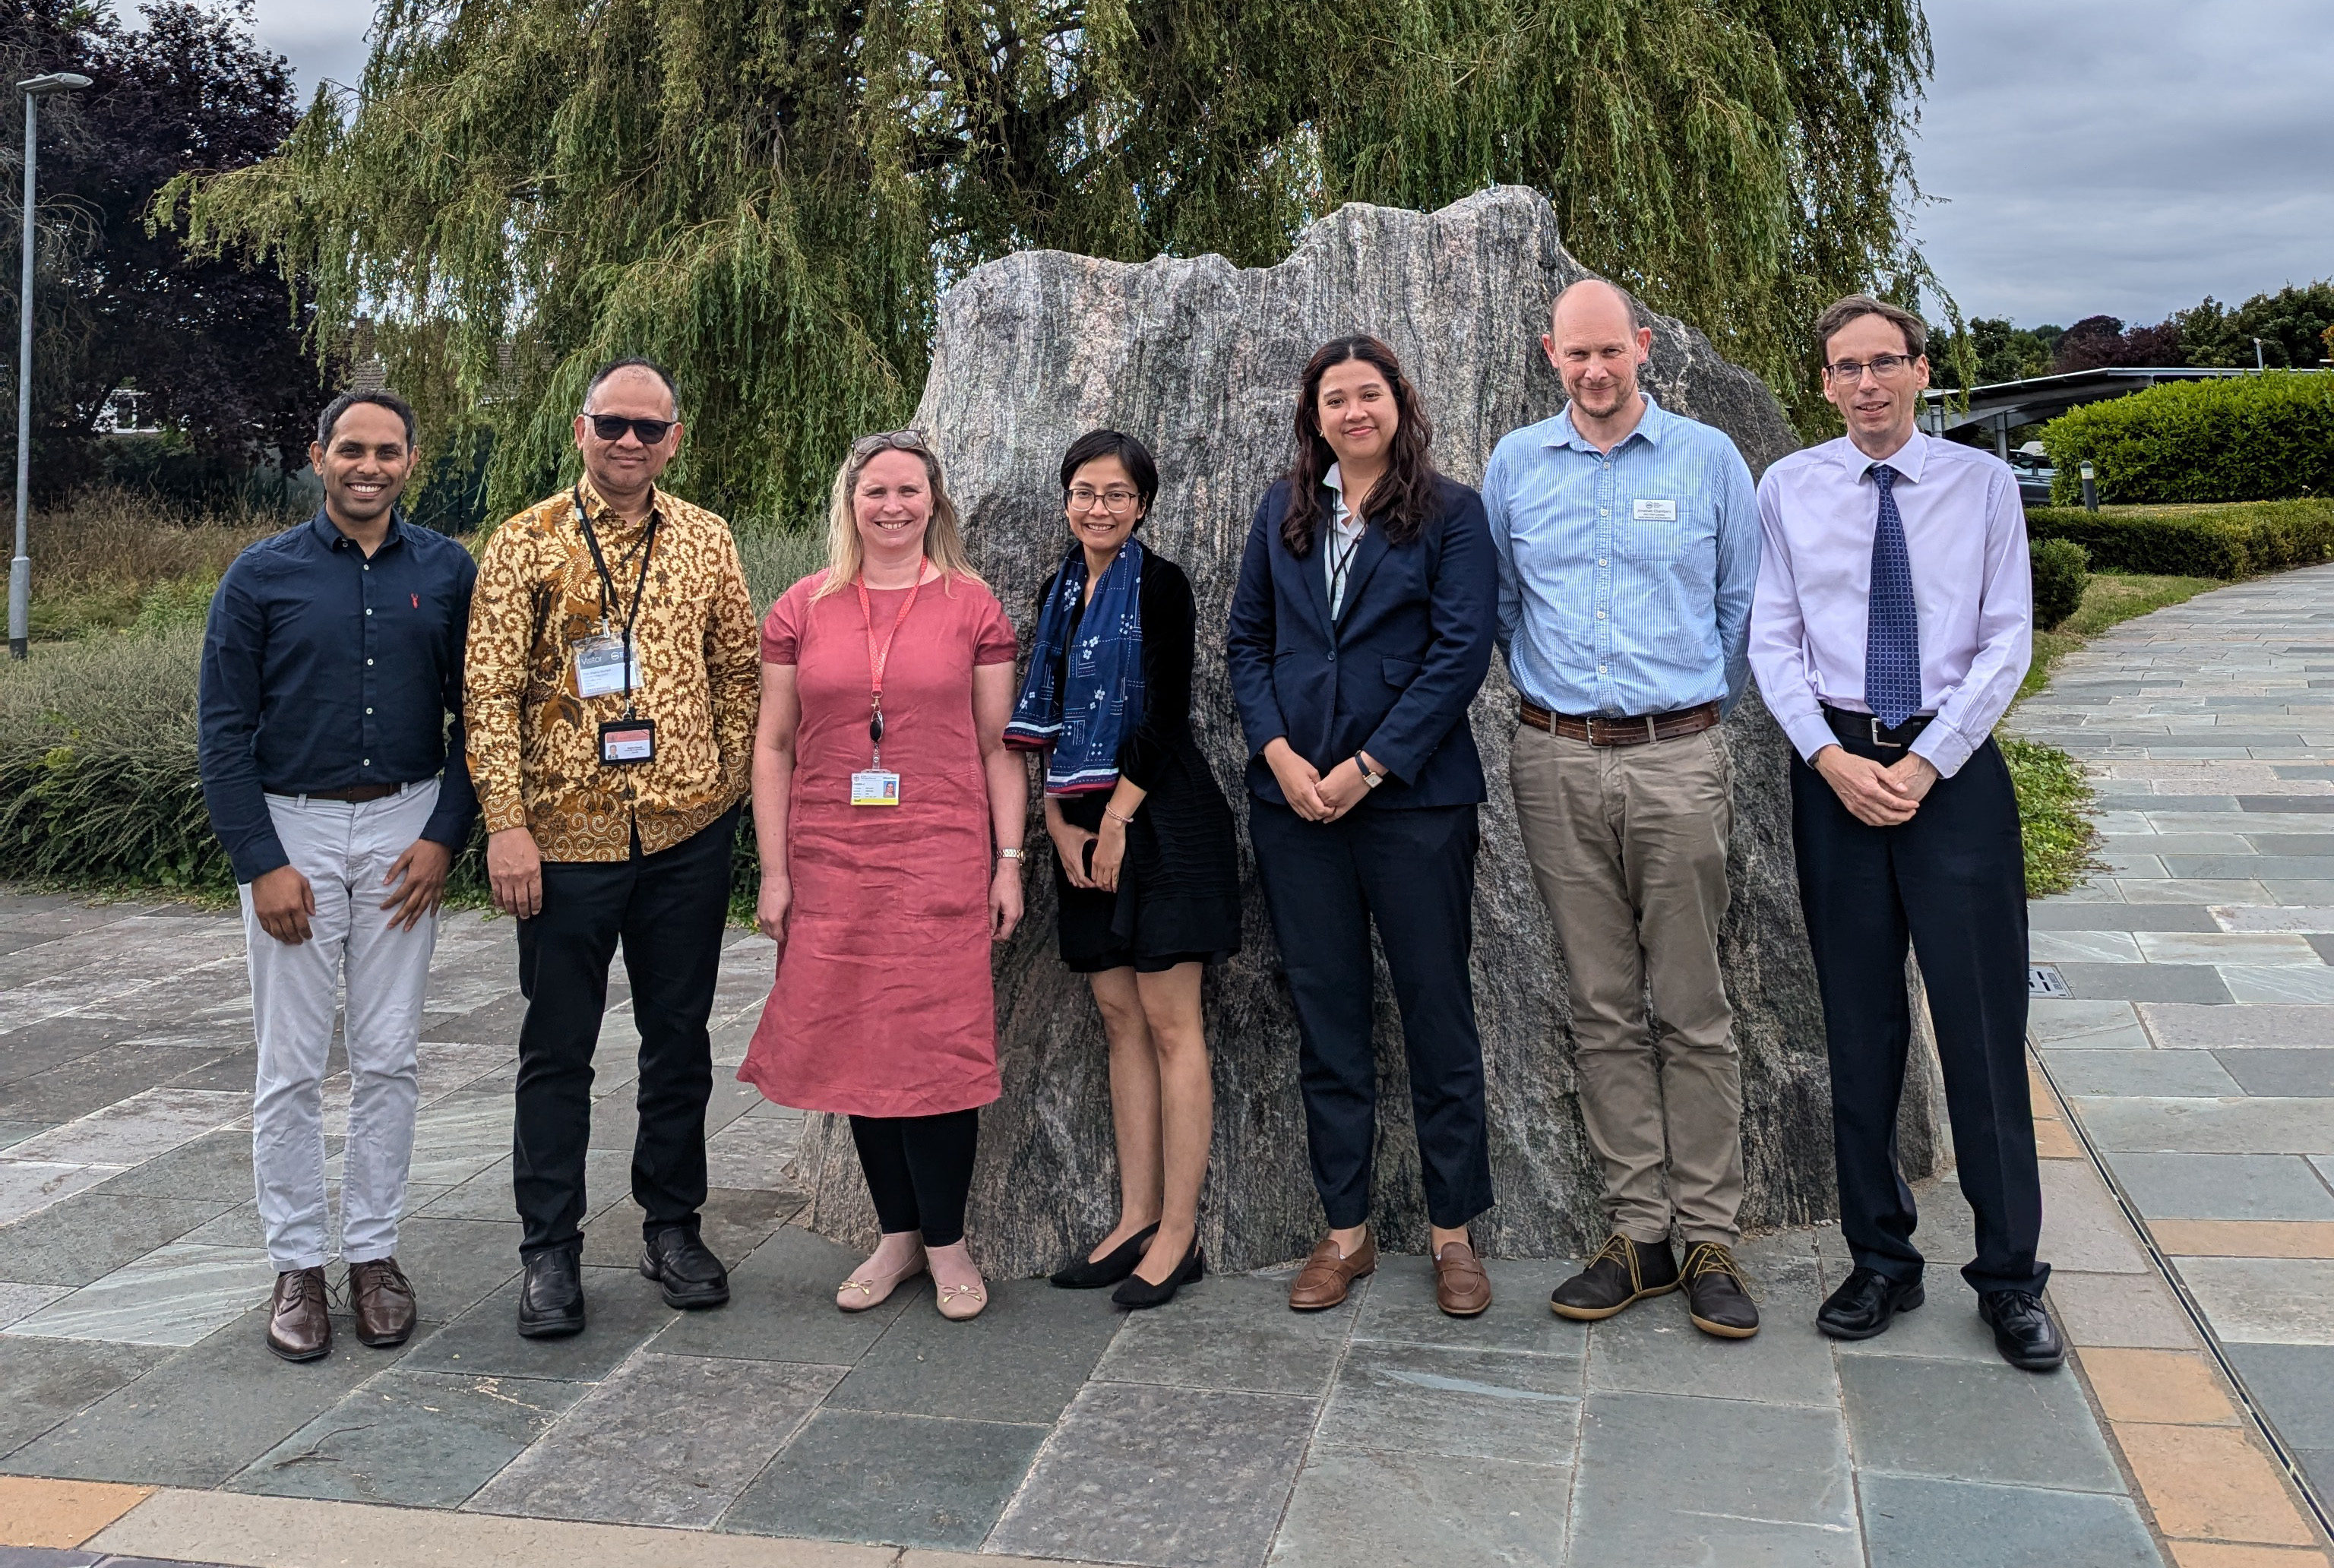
(331, 661)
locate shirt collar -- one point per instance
(329, 535)
(595, 505)
(1908, 460)
(1333, 481)
(1651, 427)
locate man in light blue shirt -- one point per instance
(1628, 547)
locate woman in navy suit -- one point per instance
(1360, 630)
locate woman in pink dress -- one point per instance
(890, 815)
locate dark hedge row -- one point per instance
(2229, 541)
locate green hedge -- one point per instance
(2265, 438)
(2228, 541)
(2061, 571)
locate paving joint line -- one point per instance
(2195, 1314)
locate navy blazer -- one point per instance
(1394, 676)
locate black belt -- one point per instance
(1867, 728)
(356, 793)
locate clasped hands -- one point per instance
(1315, 796)
(1876, 796)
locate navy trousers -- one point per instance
(1953, 879)
(1414, 871)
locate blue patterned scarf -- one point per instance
(1082, 709)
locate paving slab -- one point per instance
(417, 1439)
(782, 1307)
(2192, 1073)
(90, 1235)
(2296, 1383)
(2222, 1126)
(49, 1380)
(621, 1312)
(1233, 1332)
(2265, 1301)
(174, 1296)
(1967, 1421)
(870, 1475)
(1166, 1478)
(1654, 1347)
(1917, 1522)
(665, 1440)
(1461, 1404)
(1423, 1511)
(2222, 1186)
(1023, 1359)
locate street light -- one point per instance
(20, 570)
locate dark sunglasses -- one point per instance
(866, 447)
(611, 428)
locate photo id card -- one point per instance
(628, 740)
(874, 786)
(600, 667)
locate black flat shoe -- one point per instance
(2022, 1330)
(688, 1274)
(551, 1296)
(1093, 1274)
(1865, 1304)
(1139, 1293)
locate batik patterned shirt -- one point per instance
(535, 742)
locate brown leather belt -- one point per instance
(1598, 730)
(356, 794)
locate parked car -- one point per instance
(2032, 466)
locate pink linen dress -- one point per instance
(883, 1004)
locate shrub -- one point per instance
(2224, 542)
(2061, 572)
(2238, 438)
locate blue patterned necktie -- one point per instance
(1892, 630)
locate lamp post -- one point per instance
(20, 570)
(2091, 486)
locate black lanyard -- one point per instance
(608, 583)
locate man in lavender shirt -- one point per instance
(1892, 622)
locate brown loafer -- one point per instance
(299, 1327)
(383, 1299)
(1329, 1273)
(1462, 1288)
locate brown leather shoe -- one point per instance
(383, 1299)
(1462, 1288)
(299, 1328)
(1329, 1273)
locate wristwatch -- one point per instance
(1372, 779)
(1014, 854)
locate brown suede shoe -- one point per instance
(299, 1329)
(1329, 1273)
(1462, 1288)
(383, 1299)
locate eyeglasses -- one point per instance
(866, 447)
(1084, 498)
(1881, 365)
(611, 428)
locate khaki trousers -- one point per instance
(1628, 847)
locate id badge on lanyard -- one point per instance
(607, 665)
(874, 784)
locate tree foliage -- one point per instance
(215, 349)
(769, 194)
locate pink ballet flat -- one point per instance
(860, 1294)
(959, 1301)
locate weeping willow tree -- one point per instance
(768, 195)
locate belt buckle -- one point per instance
(1876, 741)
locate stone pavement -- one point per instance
(2196, 1047)
(140, 1414)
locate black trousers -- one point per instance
(667, 909)
(1953, 881)
(1413, 871)
(918, 1171)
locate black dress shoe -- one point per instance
(551, 1295)
(688, 1272)
(1093, 1273)
(1622, 1272)
(2022, 1330)
(1865, 1304)
(1717, 1296)
(1139, 1293)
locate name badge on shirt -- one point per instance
(628, 740)
(875, 786)
(599, 666)
(1653, 511)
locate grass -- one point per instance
(2054, 799)
(112, 560)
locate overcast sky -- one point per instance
(2124, 157)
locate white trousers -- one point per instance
(344, 849)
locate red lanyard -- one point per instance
(878, 657)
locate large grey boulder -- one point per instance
(1201, 360)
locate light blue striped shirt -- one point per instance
(1625, 578)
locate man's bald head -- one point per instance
(1596, 344)
(1593, 302)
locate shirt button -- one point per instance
(1600, 561)
(368, 711)
(367, 661)
(1600, 670)
(368, 612)
(367, 761)
(1600, 615)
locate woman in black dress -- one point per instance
(1143, 851)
